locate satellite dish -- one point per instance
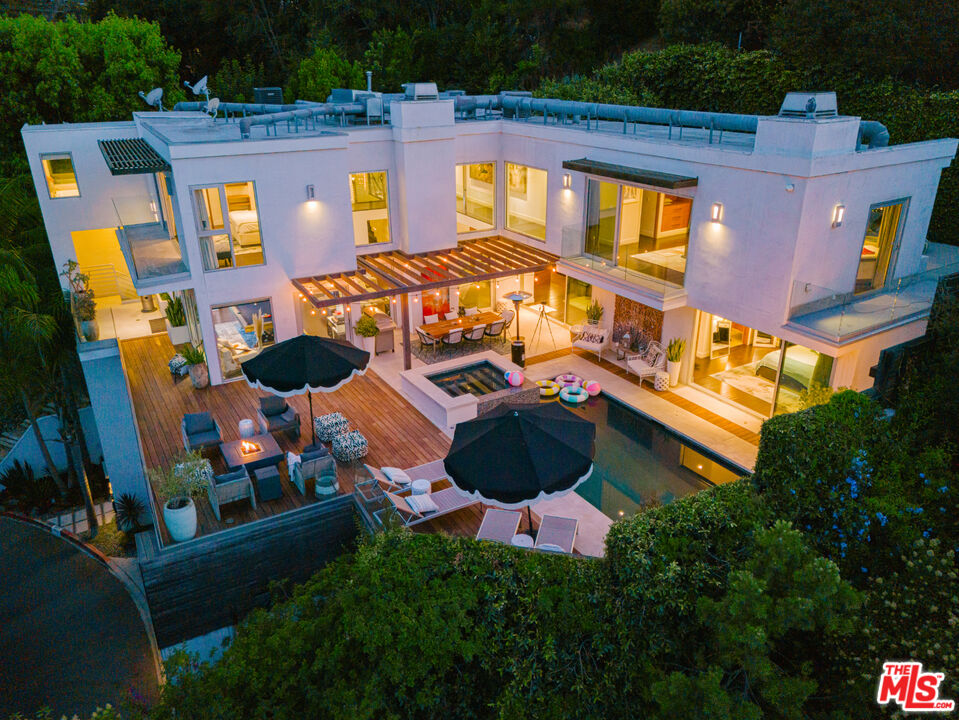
(212, 106)
(199, 88)
(154, 98)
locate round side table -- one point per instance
(661, 383)
(246, 428)
(522, 540)
(421, 487)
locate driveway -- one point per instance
(71, 638)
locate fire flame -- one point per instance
(248, 447)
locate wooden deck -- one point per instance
(397, 433)
(697, 410)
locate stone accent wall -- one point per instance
(528, 392)
(634, 317)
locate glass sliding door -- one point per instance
(242, 330)
(578, 297)
(602, 199)
(879, 246)
(526, 200)
(801, 373)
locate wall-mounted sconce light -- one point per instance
(716, 214)
(310, 193)
(837, 215)
(567, 181)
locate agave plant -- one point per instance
(128, 508)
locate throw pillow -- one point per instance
(272, 405)
(397, 476)
(422, 503)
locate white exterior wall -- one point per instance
(93, 209)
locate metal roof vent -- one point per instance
(421, 91)
(809, 105)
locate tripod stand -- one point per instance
(543, 309)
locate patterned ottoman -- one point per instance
(661, 383)
(349, 446)
(329, 426)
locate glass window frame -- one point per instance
(495, 196)
(617, 228)
(225, 218)
(389, 208)
(506, 164)
(59, 156)
(890, 270)
(221, 306)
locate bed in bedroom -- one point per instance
(798, 369)
(245, 227)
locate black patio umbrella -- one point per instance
(517, 455)
(305, 364)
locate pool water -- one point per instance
(640, 462)
(478, 379)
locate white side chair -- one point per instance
(648, 363)
(427, 319)
(451, 316)
(472, 311)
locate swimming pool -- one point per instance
(478, 379)
(640, 461)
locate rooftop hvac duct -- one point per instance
(302, 113)
(245, 108)
(872, 134)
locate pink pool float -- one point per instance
(569, 380)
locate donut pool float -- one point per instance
(548, 388)
(514, 378)
(573, 394)
(591, 387)
(569, 380)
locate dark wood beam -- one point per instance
(405, 317)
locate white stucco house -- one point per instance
(787, 250)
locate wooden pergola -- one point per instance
(394, 273)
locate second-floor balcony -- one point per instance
(148, 241)
(840, 317)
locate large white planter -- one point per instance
(367, 343)
(180, 522)
(179, 335)
(673, 369)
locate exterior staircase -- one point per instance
(11, 437)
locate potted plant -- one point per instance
(128, 509)
(82, 304)
(594, 313)
(367, 329)
(176, 486)
(674, 356)
(175, 320)
(196, 364)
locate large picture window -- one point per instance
(526, 200)
(60, 175)
(228, 225)
(637, 229)
(475, 193)
(242, 330)
(371, 208)
(879, 246)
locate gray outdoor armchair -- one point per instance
(230, 487)
(275, 415)
(199, 431)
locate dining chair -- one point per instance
(495, 330)
(426, 340)
(475, 334)
(427, 319)
(472, 311)
(453, 337)
(451, 316)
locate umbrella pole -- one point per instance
(312, 424)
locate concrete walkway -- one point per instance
(71, 638)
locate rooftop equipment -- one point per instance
(268, 95)
(421, 91)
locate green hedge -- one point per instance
(714, 78)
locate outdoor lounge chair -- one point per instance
(275, 415)
(317, 465)
(648, 363)
(556, 534)
(447, 501)
(594, 339)
(499, 525)
(230, 487)
(199, 431)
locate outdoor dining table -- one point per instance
(439, 329)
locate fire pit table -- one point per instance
(260, 451)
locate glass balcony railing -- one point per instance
(146, 239)
(838, 316)
(664, 279)
(102, 326)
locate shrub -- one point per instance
(367, 327)
(30, 492)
